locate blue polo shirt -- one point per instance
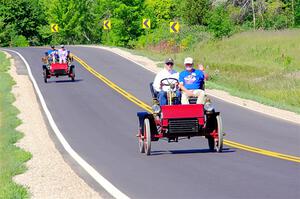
(192, 80)
(51, 51)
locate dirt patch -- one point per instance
(48, 175)
(295, 75)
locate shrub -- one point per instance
(19, 41)
(219, 22)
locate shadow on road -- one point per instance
(189, 151)
(64, 81)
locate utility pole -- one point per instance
(253, 13)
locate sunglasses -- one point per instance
(170, 64)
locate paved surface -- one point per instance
(101, 125)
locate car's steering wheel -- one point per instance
(170, 82)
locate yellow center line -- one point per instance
(145, 106)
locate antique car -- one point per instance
(52, 67)
(172, 122)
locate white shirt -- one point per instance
(162, 75)
(62, 53)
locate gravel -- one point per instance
(48, 175)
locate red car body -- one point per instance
(58, 69)
(176, 121)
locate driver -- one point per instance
(190, 82)
(52, 54)
(167, 72)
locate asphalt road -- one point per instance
(101, 126)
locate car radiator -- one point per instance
(190, 125)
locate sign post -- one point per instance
(174, 28)
(146, 25)
(107, 26)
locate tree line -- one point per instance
(27, 22)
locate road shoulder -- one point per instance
(48, 175)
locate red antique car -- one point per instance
(179, 121)
(57, 69)
(52, 67)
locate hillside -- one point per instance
(261, 65)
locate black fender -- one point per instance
(47, 70)
(211, 121)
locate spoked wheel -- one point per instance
(147, 137)
(219, 140)
(72, 71)
(141, 139)
(45, 75)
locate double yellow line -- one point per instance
(145, 106)
(127, 95)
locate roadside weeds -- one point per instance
(48, 175)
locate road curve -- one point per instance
(100, 125)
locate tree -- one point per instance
(20, 18)
(297, 13)
(126, 18)
(219, 22)
(194, 12)
(76, 19)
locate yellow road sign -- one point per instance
(174, 26)
(54, 27)
(146, 23)
(107, 25)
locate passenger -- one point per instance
(62, 53)
(69, 57)
(52, 54)
(201, 67)
(191, 82)
(167, 72)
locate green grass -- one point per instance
(12, 158)
(263, 66)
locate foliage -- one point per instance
(81, 22)
(297, 12)
(12, 158)
(194, 12)
(259, 65)
(20, 41)
(219, 22)
(275, 16)
(125, 19)
(160, 11)
(20, 17)
(76, 20)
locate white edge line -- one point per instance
(228, 101)
(87, 167)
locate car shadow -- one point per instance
(64, 81)
(190, 151)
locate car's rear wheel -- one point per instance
(147, 136)
(72, 73)
(219, 139)
(141, 139)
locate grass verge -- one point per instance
(263, 66)
(12, 158)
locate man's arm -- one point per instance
(188, 92)
(156, 82)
